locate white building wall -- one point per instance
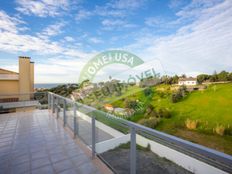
(187, 83)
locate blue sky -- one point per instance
(183, 36)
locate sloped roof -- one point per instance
(4, 71)
(188, 79)
(108, 105)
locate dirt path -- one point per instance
(147, 162)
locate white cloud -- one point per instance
(153, 21)
(52, 30)
(116, 9)
(196, 7)
(42, 8)
(95, 40)
(69, 39)
(8, 23)
(202, 46)
(127, 4)
(67, 69)
(83, 14)
(175, 4)
(11, 40)
(14, 68)
(110, 24)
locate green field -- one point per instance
(210, 107)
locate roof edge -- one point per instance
(9, 71)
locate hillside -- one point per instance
(212, 105)
(210, 108)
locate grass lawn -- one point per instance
(210, 107)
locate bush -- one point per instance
(191, 124)
(164, 113)
(132, 104)
(150, 112)
(154, 114)
(149, 109)
(220, 130)
(162, 94)
(179, 94)
(228, 130)
(151, 122)
(148, 92)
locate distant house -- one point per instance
(83, 92)
(190, 81)
(89, 87)
(108, 107)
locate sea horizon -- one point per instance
(48, 85)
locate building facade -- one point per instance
(17, 83)
(187, 81)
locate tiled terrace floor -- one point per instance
(35, 142)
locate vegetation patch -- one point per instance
(220, 130)
(191, 124)
(151, 122)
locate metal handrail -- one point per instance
(212, 157)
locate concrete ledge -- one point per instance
(19, 104)
(112, 143)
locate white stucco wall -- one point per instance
(187, 83)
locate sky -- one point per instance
(61, 36)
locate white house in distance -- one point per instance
(190, 81)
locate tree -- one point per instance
(230, 77)
(179, 94)
(223, 76)
(183, 76)
(175, 79)
(202, 77)
(84, 83)
(132, 104)
(148, 92)
(176, 97)
(214, 77)
(101, 84)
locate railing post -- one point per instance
(51, 98)
(133, 151)
(53, 104)
(49, 101)
(57, 108)
(64, 112)
(76, 127)
(93, 136)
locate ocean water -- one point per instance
(47, 85)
